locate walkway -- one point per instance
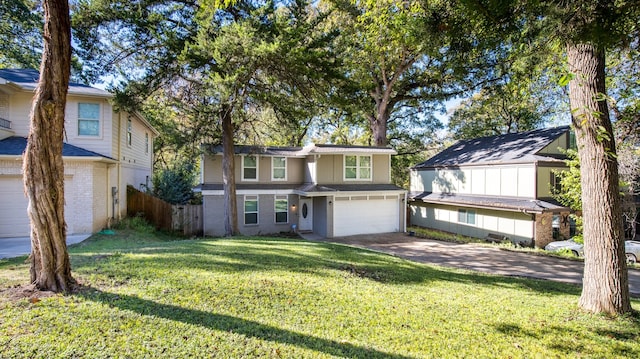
(19, 246)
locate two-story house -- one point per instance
(495, 187)
(327, 190)
(104, 151)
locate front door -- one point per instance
(306, 214)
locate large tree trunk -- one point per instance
(43, 164)
(379, 129)
(605, 283)
(228, 174)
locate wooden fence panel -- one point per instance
(187, 219)
(154, 210)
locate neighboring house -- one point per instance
(327, 190)
(495, 187)
(104, 151)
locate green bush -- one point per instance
(137, 223)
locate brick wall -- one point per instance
(544, 229)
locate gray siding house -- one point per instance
(494, 187)
(327, 190)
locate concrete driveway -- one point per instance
(478, 258)
(19, 246)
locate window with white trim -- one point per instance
(466, 216)
(250, 209)
(281, 207)
(88, 119)
(278, 168)
(357, 167)
(249, 168)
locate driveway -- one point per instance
(478, 258)
(19, 246)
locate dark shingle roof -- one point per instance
(303, 151)
(27, 79)
(261, 150)
(492, 202)
(509, 148)
(15, 146)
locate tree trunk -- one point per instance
(605, 284)
(228, 174)
(43, 164)
(378, 122)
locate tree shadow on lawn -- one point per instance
(231, 324)
(571, 341)
(318, 258)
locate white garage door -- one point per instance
(365, 216)
(14, 221)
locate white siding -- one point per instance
(526, 182)
(101, 144)
(492, 182)
(517, 226)
(19, 110)
(508, 181)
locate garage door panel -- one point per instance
(365, 217)
(14, 221)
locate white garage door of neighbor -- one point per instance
(14, 221)
(365, 216)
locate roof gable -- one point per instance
(510, 148)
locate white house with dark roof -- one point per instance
(105, 150)
(327, 190)
(495, 187)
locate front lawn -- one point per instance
(148, 295)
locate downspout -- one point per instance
(535, 180)
(119, 166)
(405, 212)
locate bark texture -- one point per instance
(605, 283)
(43, 164)
(228, 174)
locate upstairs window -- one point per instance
(129, 132)
(357, 167)
(251, 210)
(250, 168)
(466, 216)
(282, 209)
(279, 168)
(555, 182)
(88, 119)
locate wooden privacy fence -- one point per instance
(186, 219)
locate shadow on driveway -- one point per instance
(479, 258)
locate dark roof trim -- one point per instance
(15, 146)
(305, 188)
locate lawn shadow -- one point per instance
(572, 345)
(247, 254)
(231, 324)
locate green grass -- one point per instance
(148, 295)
